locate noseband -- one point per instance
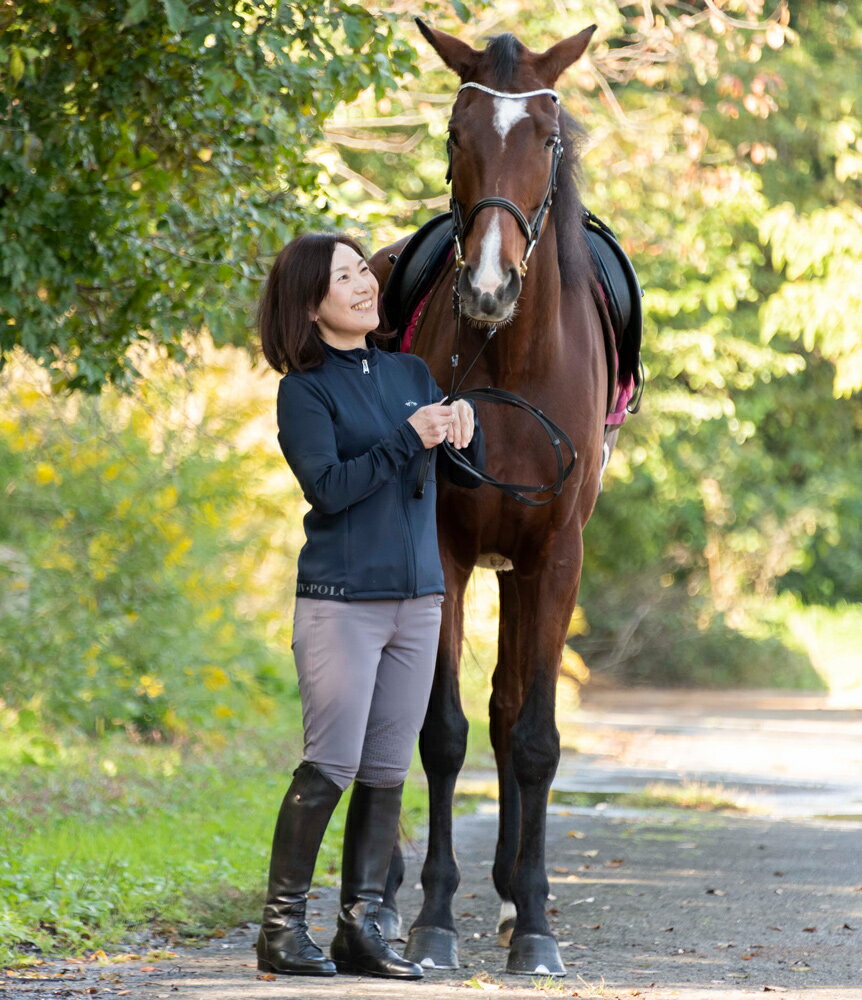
(531, 230)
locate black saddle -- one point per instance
(415, 269)
(425, 255)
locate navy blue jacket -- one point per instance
(343, 429)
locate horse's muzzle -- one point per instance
(485, 306)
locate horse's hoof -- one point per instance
(389, 921)
(535, 955)
(432, 948)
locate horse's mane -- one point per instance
(504, 54)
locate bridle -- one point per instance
(532, 230)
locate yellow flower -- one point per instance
(215, 678)
(46, 473)
(152, 687)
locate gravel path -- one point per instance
(647, 902)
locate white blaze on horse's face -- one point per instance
(489, 273)
(507, 112)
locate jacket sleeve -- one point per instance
(474, 452)
(307, 437)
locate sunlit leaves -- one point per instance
(153, 156)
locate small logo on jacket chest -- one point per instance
(410, 402)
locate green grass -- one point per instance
(113, 842)
(697, 795)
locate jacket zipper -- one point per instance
(406, 532)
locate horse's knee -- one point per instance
(535, 752)
(443, 741)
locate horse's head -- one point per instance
(504, 150)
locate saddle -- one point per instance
(425, 255)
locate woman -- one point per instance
(353, 423)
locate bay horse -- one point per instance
(521, 264)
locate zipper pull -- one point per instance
(365, 368)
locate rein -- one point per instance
(532, 231)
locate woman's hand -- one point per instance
(439, 422)
(432, 423)
(460, 432)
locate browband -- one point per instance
(499, 93)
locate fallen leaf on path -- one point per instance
(715, 892)
(809, 930)
(562, 871)
(846, 927)
(775, 928)
(483, 981)
(149, 968)
(268, 977)
(614, 863)
(800, 968)
(576, 834)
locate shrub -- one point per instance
(132, 532)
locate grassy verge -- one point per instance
(113, 842)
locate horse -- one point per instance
(532, 319)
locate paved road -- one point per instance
(658, 904)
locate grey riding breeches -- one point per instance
(365, 670)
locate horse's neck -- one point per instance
(530, 344)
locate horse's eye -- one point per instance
(453, 139)
(551, 141)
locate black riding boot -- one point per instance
(358, 945)
(284, 944)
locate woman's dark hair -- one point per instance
(297, 284)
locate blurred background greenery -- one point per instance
(156, 154)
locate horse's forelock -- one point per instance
(503, 53)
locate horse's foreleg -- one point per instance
(506, 696)
(433, 941)
(547, 601)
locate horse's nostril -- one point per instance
(512, 287)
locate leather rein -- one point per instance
(532, 230)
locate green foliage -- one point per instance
(152, 153)
(131, 539)
(118, 840)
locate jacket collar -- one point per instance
(353, 358)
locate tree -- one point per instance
(152, 154)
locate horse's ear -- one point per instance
(560, 56)
(457, 55)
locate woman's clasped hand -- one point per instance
(439, 422)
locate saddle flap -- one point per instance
(623, 292)
(413, 272)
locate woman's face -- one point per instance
(349, 309)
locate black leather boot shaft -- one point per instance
(284, 944)
(369, 834)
